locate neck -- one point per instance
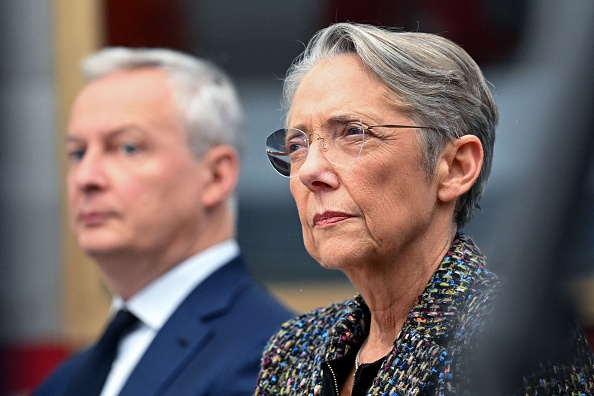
(391, 290)
(127, 271)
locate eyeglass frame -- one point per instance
(365, 128)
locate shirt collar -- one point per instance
(157, 301)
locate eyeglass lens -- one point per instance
(340, 141)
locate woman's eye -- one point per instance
(292, 147)
(295, 141)
(353, 129)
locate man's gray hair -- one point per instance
(205, 96)
(432, 80)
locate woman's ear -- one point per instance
(221, 164)
(459, 167)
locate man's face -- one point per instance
(133, 186)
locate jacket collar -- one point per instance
(427, 330)
(435, 315)
(452, 286)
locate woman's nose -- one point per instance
(316, 169)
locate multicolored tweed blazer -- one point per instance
(428, 355)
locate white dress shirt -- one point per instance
(156, 302)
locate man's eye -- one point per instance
(76, 155)
(129, 148)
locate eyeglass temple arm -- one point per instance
(268, 151)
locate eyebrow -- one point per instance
(342, 118)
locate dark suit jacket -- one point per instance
(211, 345)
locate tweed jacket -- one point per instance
(428, 357)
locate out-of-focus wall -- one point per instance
(77, 32)
(30, 234)
(30, 212)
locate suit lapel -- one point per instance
(178, 341)
(185, 333)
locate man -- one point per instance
(152, 170)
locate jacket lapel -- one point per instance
(179, 340)
(432, 324)
(185, 333)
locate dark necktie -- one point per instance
(90, 377)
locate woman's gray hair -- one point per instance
(433, 81)
(205, 96)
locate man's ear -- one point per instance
(459, 167)
(221, 165)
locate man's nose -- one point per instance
(89, 172)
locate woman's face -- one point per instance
(375, 208)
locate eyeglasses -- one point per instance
(341, 143)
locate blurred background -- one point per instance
(536, 54)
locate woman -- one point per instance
(388, 147)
